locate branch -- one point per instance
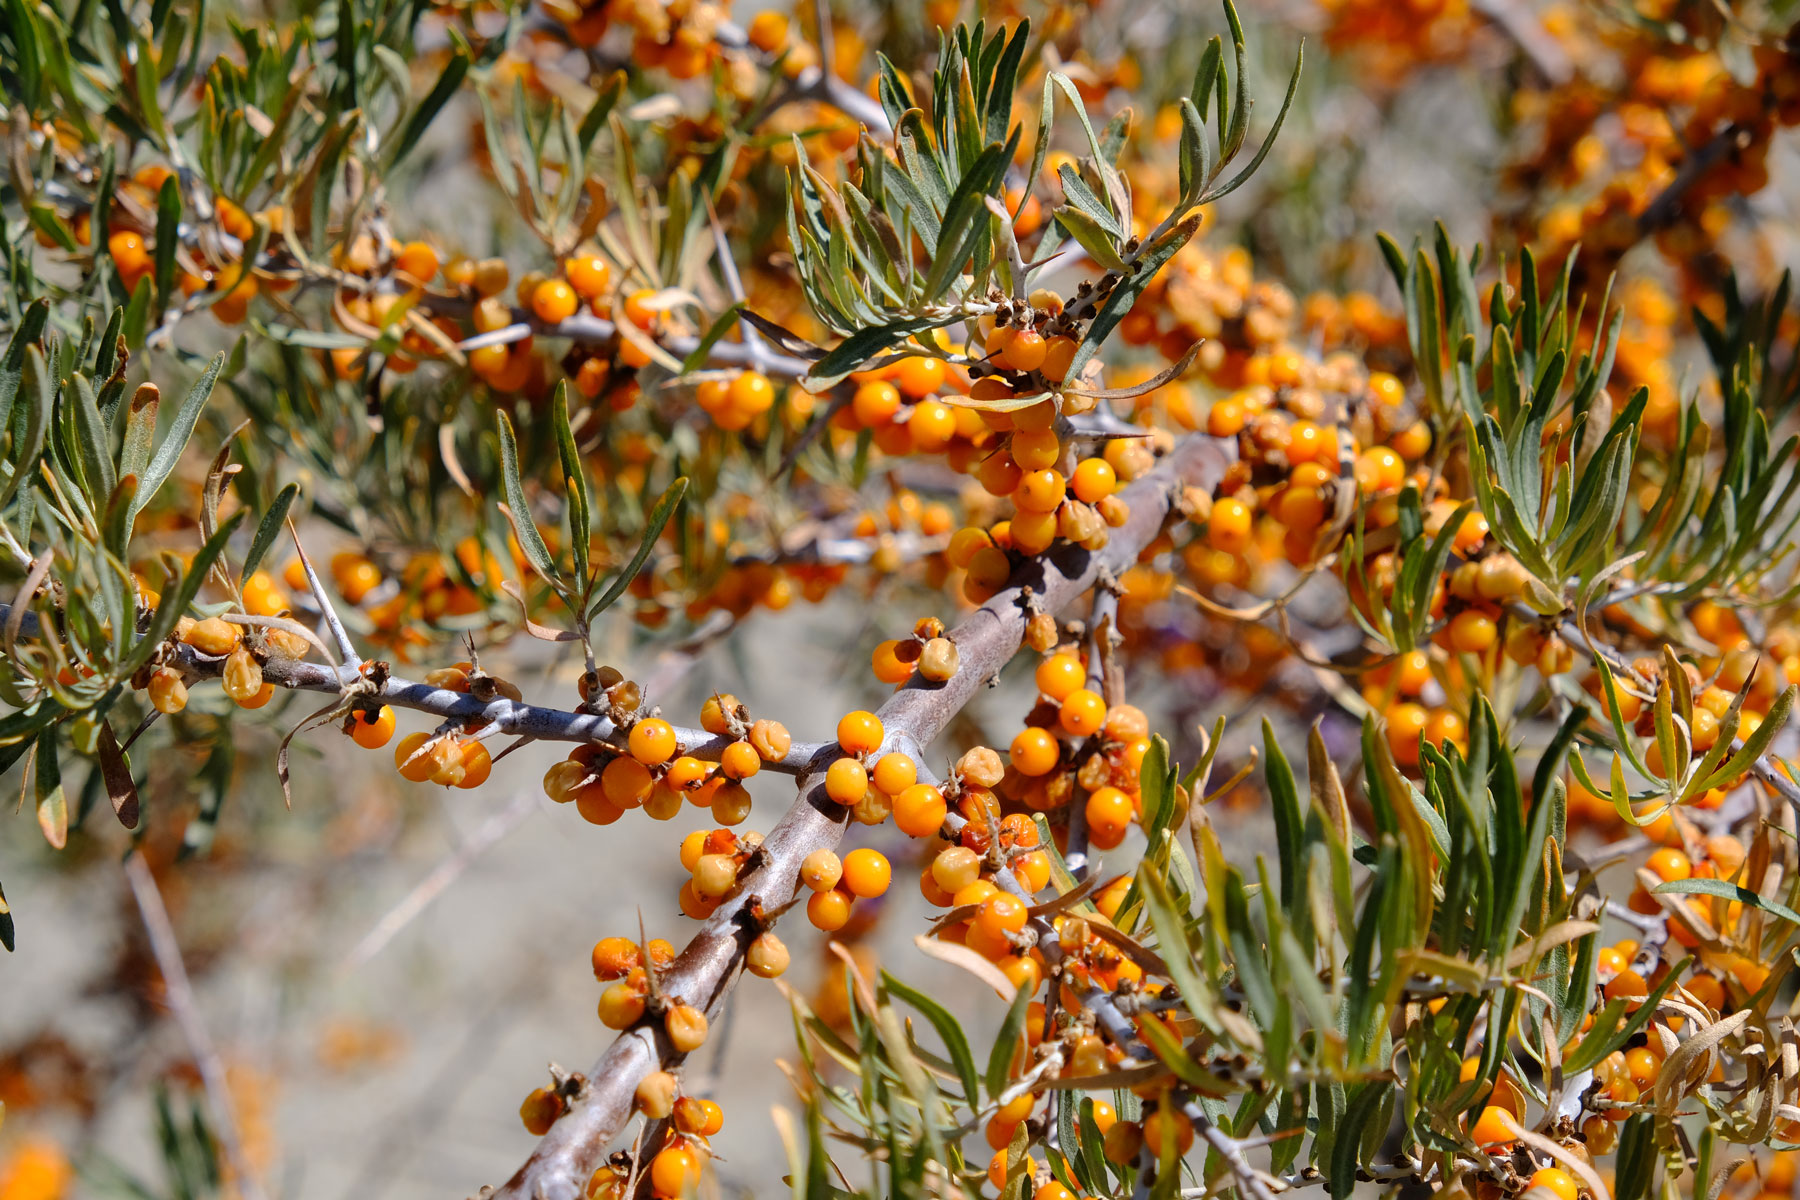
(704, 974)
(1662, 211)
(1544, 51)
(180, 994)
(501, 715)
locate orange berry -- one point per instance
(626, 782)
(1228, 528)
(867, 873)
(846, 781)
(1060, 676)
(895, 772)
(821, 870)
(1490, 1128)
(675, 1171)
(652, 741)
(1670, 865)
(553, 301)
(1472, 631)
(739, 760)
(829, 911)
(412, 759)
(919, 811)
(1035, 752)
(589, 275)
(371, 730)
(859, 732)
(1556, 1180)
(1082, 713)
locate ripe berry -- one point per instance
(553, 301)
(875, 403)
(588, 275)
(739, 760)
(955, 868)
(867, 873)
(620, 1006)
(1472, 631)
(846, 781)
(859, 732)
(1627, 984)
(652, 741)
(1059, 355)
(626, 782)
(685, 774)
(1000, 915)
(1490, 1128)
(1082, 713)
(1161, 1124)
(1109, 812)
(715, 714)
(1094, 480)
(637, 308)
(821, 870)
(715, 875)
(613, 957)
(1040, 492)
(675, 1171)
(1228, 528)
(828, 911)
(413, 759)
(886, 664)
(731, 803)
(1123, 1141)
(1026, 351)
(214, 636)
(1558, 1181)
(895, 772)
(1670, 865)
(371, 730)
(919, 811)
(767, 956)
(1035, 752)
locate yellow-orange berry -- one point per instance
(867, 873)
(859, 732)
(652, 741)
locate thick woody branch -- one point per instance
(913, 717)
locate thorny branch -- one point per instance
(707, 969)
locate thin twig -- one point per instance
(487, 835)
(327, 610)
(179, 993)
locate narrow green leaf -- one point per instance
(659, 517)
(518, 508)
(268, 531)
(168, 453)
(955, 1041)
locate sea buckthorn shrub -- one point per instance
(1327, 691)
